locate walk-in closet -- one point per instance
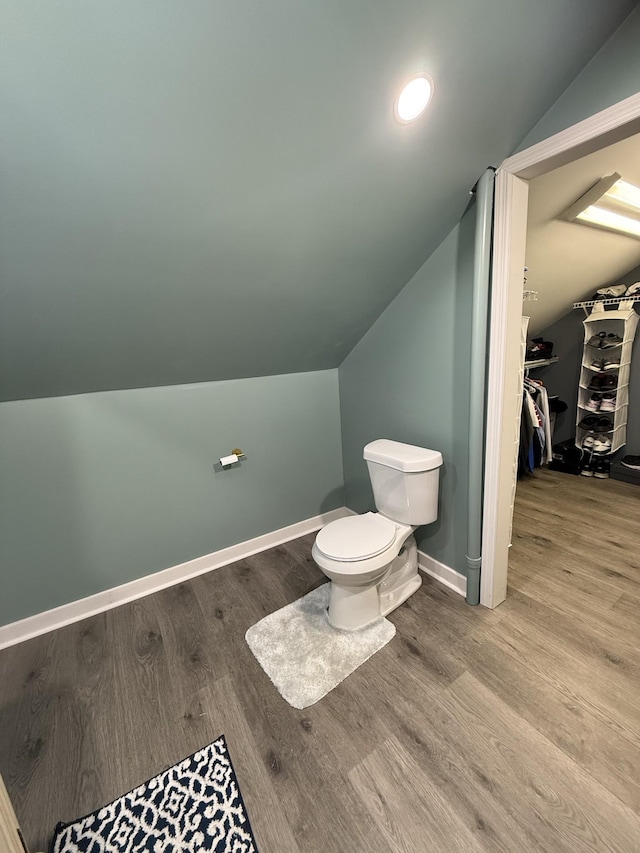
(577, 492)
(573, 561)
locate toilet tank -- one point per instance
(405, 480)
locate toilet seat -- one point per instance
(357, 537)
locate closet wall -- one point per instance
(562, 377)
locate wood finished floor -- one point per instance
(511, 730)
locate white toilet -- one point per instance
(371, 573)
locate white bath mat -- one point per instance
(304, 656)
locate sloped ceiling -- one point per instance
(567, 262)
(215, 189)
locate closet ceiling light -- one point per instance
(612, 204)
(413, 99)
(609, 219)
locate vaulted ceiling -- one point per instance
(216, 189)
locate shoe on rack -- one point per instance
(596, 383)
(607, 403)
(605, 424)
(586, 469)
(610, 364)
(612, 340)
(597, 340)
(593, 403)
(539, 349)
(608, 383)
(589, 422)
(612, 291)
(631, 462)
(601, 445)
(588, 442)
(597, 364)
(602, 468)
(633, 289)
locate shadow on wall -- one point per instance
(332, 500)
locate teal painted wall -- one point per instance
(100, 489)
(408, 380)
(103, 488)
(174, 173)
(611, 76)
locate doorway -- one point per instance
(510, 228)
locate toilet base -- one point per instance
(352, 608)
(355, 607)
(390, 600)
(402, 580)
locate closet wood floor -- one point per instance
(511, 730)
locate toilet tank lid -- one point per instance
(402, 457)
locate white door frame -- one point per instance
(600, 130)
(10, 833)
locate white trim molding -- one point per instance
(501, 444)
(75, 611)
(598, 131)
(443, 574)
(11, 838)
(58, 617)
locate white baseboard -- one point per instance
(49, 620)
(58, 617)
(444, 574)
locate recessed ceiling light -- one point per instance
(413, 99)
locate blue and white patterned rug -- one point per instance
(194, 806)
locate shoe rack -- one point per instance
(622, 321)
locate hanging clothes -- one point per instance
(542, 401)
(535, 428)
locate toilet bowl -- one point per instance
(371, 559)
(356, 554)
